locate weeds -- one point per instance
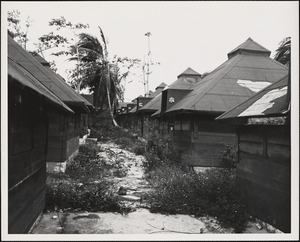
(212, 193)
(83, 186)
(228, 156)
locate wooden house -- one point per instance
(264, 153)
(146, 106)
(195, 130)
(123, 115)
(172, 95)
(63, 130)
(29, 101)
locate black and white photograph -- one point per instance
(149, 120)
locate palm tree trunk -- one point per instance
(110, 108)
(108, 97)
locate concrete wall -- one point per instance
(264, 172)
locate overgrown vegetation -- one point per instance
(212, 193)
(83, 186)
(179, 190)
(229, 156)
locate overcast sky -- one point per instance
(184, 34)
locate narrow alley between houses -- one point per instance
(134, 218)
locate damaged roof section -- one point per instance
(273, 100)
(248, 70)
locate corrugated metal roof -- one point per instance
(249, 46)
(88, 97)
(123, 104)
(61, 79)
(189, 72)
(228, 85)
(133, 110)
(185, 81)
(47, 77)
(24, 78)
(272, 100)
(161, 85)
(153, 105)
(158, 89)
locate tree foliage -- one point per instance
(15, 27)
(283, 52)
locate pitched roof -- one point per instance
(153, 105)
(249, 46)
(88, 97)
(189, 72)
(185, 81)
(158, 89)
(45, 76)
(271, 101)
(22, 77)
(133, 110)
(62, 82)
(230, 84)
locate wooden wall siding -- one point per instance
(264, 172)
(63, 138)
(84, 124)
(202, 139)
(72, 146)
(27, 144)
(57, 136)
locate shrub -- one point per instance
(83, 184)
(228, 157)
(160, 151)
(211, 193)
(68, 193)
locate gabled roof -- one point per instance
(22, 77)
(189, 72)
(230, 84)
(271, 101)
(249, 46)
(45, 76)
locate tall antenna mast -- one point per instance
(148, 72)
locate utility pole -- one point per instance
(148, 72)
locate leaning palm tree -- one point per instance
(94, 71)
(283, 52)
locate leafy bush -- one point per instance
(83, 185)
(228, 157)
(160, 151)
(211, 193)
(68, 193)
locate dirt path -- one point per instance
(137, 219)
